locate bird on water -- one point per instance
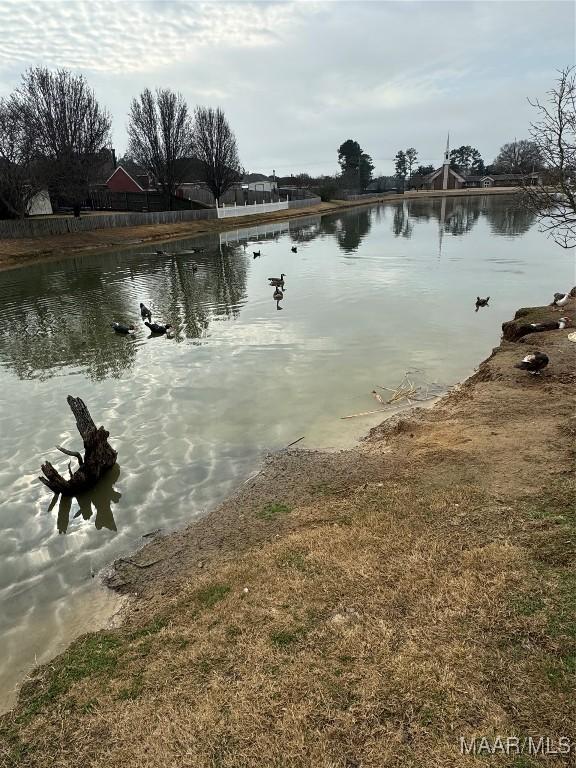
(277, 280)
(145, 312)
(481, 302)
(157, 328)
(123, 329)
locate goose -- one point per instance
(121, 328)
(561, 299)
(145, 312)
(256, 254)
(277, 280)
(481, 302)
(294, 249)
(533, 363)
(551, 325)
(157, 328)
(278, 295)
(194, 267)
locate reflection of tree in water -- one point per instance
(509, 220)
(58, 319)
(348, 230)
(461, 215)
(401, 224)
(188, 299)
(60, 316)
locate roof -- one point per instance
(251, 177)
(438, 171)
(120, 168)
(509, 176)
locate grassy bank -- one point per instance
(360, 609)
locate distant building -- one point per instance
(448, 178)
(122, 181)
(40, 204)
(258, 182)
(504, 180)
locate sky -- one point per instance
(296, 78)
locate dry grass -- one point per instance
(378, 627)
(373, 639)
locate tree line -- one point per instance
(54, 134)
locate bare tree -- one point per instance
(69, 130)
(522, 156)
(554, 133)
(160, 137)
(215, 146)
(19, 181)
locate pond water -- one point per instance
(369, 294)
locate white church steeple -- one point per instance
(447, 152)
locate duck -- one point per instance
(157, 328)
(194, 267)
(145, 312)
(121, 328)
(294, 249)
(277, 280)
(561, 299)
(551, 325)
(481, 302)
(256, 254)
(533, 363)
(161, 253)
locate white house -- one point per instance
(258, 182)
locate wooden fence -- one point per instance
(44, 227)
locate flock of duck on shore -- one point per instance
(159, 329)
(534, 362)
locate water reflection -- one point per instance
(98, 499)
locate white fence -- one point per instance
(231, 211)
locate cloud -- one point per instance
(298, 78)
(136, 36)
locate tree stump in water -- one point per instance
(99, 456)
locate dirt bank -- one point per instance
(362, 609)
(21, 252)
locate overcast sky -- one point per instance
(298, 78)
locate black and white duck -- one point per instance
(157, 328)
(294, 249)
(550, 325)
(277, 280)
(481, 302)
(145, 312)
(561, 299)
(123, 329)
(534, 362)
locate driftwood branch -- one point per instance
(99, 456)
(71, 453)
